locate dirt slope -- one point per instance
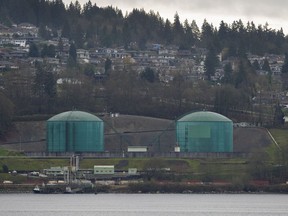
(125, 130)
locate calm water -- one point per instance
(143, 204)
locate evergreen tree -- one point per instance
(126, 35)
(6, 113)
(195, 31)
(284, 69)
(266, 66)
(241, 77)
(228, 79)
(284, 72)
(223, 34)
(227, 98)
(178, 30)
(211, 63)
(57, 14)
(72, 55)
(108, 66)
(44, 51)
(148, 74)
(188, 38)
(207, 34)
(256, 65)
(66, 30)
(48, 51)
(278, 116)
(87, 9)
(44, 33)
(167, 34)
(5, 168)
(44, 87)
(89, 70)
(51, 51)
(78, 36)
(33, 50)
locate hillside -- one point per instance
(126, 130)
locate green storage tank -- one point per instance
(75, 131)
(204, 132)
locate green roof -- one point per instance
(74, 116)
(204, 116)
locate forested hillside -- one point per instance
(91, 26)
(100, 60)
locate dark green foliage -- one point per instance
(167, 32)
(256, 65)
(48, 51)
(44, 80)
(178, 30)
(6, 113)
(149, 75)
(33, 50)
(66, 30)
(89, 70)
(5, 168)
(107, 27)
(78, 36)
(207, 35)
(91, 26)
(244, 76)
(285, 65)
(108, 66)
(266, 66)
(44, 88)
(211, 63)
(278, 116)
(72, 61)
(284, 71)
(44, 33)
(228, 76)
(227, 98)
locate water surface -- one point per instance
(143, 204)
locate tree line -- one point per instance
(89, 26)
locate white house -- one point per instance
(20, 42)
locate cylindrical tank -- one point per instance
(204, 132)
(75, 131)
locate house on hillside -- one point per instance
(19, 42)
(83, 55)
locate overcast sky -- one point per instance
(274, 12)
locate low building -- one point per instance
(132, 171)
(55, 171)
(104, 170)
(137, 149)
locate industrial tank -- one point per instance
(204, 132)
(75, 131)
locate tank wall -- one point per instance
(75, 136)
(85, 136)
(56, 137)
(205, 136)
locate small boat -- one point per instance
(68, 190)
(37, 189)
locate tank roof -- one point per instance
(74, 116)
(204, 116)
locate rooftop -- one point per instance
(204, 116)
(74, 116)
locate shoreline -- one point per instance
(157, 188)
